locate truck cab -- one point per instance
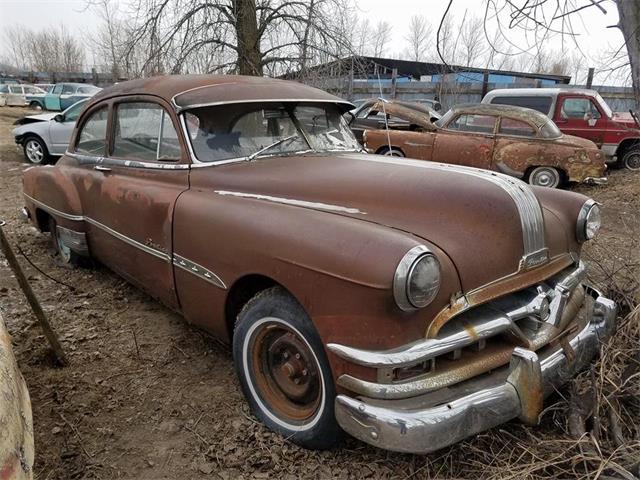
(583, 113)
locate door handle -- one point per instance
(100, 168)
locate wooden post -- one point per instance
(31, 298)
(394, 82)
(485, 83)
(590, 77)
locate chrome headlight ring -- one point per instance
(417, 279)
(589, 221)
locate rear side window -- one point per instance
(541, 104)
(93, 136)
(15, 89)
(69, 90)
(144, 131)
(510, 126)
(473, 123)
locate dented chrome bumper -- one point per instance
(428, 422)
(596, 180)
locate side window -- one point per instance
(510, 126)
(144, 131)
(15, 89)
(93, 136)
(473, 123)
(541, 104)
(69, 90)
(71, 115)
(363, 112)
(57, 89)
(578, 108)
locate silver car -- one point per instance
(45, 137)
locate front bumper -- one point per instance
(596, 180)
(425, 423)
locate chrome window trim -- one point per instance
(180, 109)
(175, 259)
(84, 159)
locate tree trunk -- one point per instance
(629, 24)
(249, 55)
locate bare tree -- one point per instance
(473, 47)
(249, 36)
(419, 38)
(381, 36)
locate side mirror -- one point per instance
(59, 118)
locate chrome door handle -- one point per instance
(100, 168)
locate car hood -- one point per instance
(625, 119)
(43, 117)
(477, 217)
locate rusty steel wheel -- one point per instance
(284, 371)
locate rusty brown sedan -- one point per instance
(516, 141)
(408, 303)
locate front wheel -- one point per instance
(545, 177)
(35, 151)
(284, 371)
(35, 105)
(631, 158)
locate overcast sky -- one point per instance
(594, 40)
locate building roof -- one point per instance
(190, 91)
(410, 68)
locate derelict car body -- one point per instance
(354, 288)
(513, 140)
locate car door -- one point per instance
(68, 96)
(129, 190)
(60, 131)
(580, 116)
(52, 98)
(468, 139)
(517, 147)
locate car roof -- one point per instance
(510, 111)
(516, 92)
(191, 91)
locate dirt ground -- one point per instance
(146, 396)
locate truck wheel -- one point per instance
(284, 371)
(545, 177)
(391, 152)
(631, 158)
(35, 150)
(66, 255)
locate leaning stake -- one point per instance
(31, 298)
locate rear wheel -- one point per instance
(631, 158)
(284, 371)
(545, 177)
(35, 151)
(391, 152)
(65, 254)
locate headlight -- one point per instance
(417, 279)
(589, 221)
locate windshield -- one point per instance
(605, 107)
(225, 132)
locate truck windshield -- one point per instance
(607, 110)
(235, 131)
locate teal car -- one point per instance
(62, 95)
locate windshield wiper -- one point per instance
(269, 147)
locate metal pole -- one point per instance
(31, 298)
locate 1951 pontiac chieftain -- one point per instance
(408, 303)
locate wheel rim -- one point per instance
(632, 162)
(64, 250)
(393, 153)
(545, 178)
(34, 151)
(288, 379)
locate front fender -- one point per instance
(339, 268)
